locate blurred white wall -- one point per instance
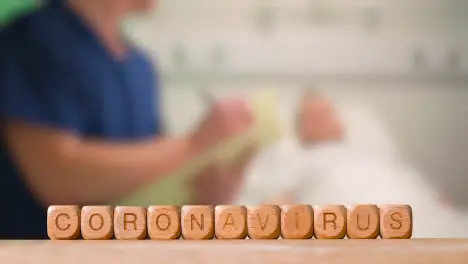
(328, 44)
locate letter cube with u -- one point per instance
(363, 221)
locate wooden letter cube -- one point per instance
(363, 221)
(197, 222)
(263, 222)
(97, 222)
(330, 222)
(297, 222)
(63, 222)
(163, 222)
(130, 222)
(230, 222)
(396, 222)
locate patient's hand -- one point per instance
(220, 184)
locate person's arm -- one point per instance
(61, 168)
(43, 117)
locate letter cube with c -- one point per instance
(63, 222)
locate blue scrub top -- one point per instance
(54, 72)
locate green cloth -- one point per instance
(9, 9)
(173, 190)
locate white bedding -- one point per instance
(365, 169)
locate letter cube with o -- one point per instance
(163, 222)
(97, 222)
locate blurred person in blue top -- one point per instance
(81, 121)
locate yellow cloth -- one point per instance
(173, 191)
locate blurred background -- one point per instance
(405, 60)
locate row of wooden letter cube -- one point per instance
(230, 222)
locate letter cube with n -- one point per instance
(197, 222)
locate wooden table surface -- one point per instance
(424, 251)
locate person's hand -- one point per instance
(226, 119)
(220, 184)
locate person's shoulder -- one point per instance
(28, 23)
(144, 58)
(141, 54)
(43, 27)
(146, 65)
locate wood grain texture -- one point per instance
(163, 222)
(330, 221)
(230, 222)
(97, 222)
(382, 251)
(264, 222)
(297, 222)
(130, 222)
(63, 222)
(396, 221)
(197, 222)
(363, 221)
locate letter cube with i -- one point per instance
(297, 222)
